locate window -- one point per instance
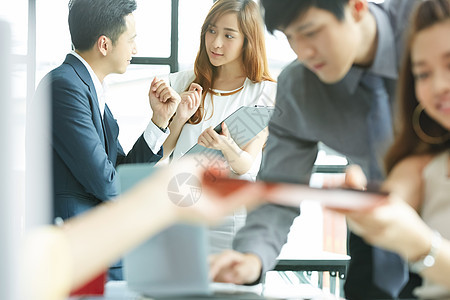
(190, 23)
(153, 26)
(16, 14)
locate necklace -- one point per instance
(225, 94)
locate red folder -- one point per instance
(293, 194)
(95, 287)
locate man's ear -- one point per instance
(103, 44)
(358, 9)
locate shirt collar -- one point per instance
(385, 62)
(100, 88)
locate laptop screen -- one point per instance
(173, 262)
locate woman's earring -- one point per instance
(435, 140)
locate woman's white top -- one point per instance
(261, 94)
(435, 212)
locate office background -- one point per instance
(167, 41)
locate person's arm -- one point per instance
(239, 159)
(396, 225)
(405, 180)
(175, 129)
(287, 158)
(259, 242)
(190, 101)
(439, 272)
(164, 101)
(146, 149)
(86, 245)
(404, 184)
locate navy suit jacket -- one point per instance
(86, 148)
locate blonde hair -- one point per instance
(253, 51)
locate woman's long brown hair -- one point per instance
(406, 143)
(254, 49)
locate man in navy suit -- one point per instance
(85, 142)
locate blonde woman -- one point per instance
(230, 71)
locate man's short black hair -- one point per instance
(90, 19)
(278, 14)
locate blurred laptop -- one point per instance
(173, 264)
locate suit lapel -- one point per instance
(84, 75)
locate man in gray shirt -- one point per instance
(340, 92)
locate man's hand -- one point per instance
(234, 267)
(163, 101)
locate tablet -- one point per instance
(244, 124)
(290, 194)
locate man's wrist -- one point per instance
(161, 124)
(162, 129)
(254, 268)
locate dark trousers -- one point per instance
(359, 282)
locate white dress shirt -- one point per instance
(154, 136)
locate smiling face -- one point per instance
(430, 56)
(224, 41)
(325, 45)
(124, 48)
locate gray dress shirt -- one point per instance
(309, 111)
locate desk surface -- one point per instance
(317, 261)
(293, 254)
(272, 289)
(118, 290)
